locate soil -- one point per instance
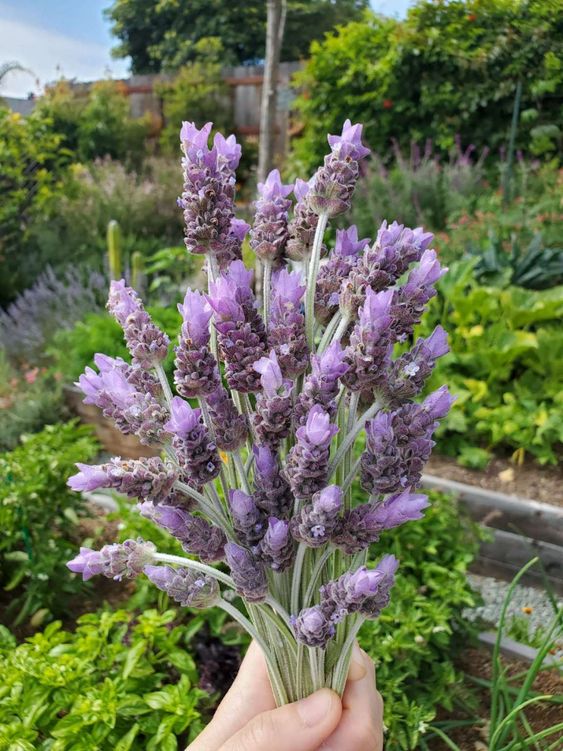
(477, 662)
(529, 480)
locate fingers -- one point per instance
(249, 695)
(361, 724)
(302, 726)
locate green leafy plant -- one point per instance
(508, 727)
(535, 267)
(118, 682)
(416, 638)
(505, 367)
(28, 401)
(34, 498)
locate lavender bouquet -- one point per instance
(258, 477)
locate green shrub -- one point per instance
(38, 518)
(421, 190)
(95, 122)
(119, 683)
(505, 367)
(73, 229)
(74, 350)
(33, 163)
(448, 68)
(28, 401)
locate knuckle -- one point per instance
(261, 731)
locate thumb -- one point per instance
(301, 726)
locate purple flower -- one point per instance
(208, 194)
(242, 336)
(190, 588)
(271, 490)
(271, 378)
(301, 228)
(114, 561)
(197, 535)
(313, 628)
(370, 348)
(248, 573)
(183, 418)
(335, 181)
(362, 526)
(409, 372)
(349, 143)
(230, 428)
(249, 522)
(268, 236)
(307, 463)
(272, 419)
(147, 478)
(196, 314)
(286, 333)
(347, 243)
(317, 521)
(410, 300)
(146, 342)
(196, 371)
(277, 548)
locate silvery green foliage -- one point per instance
(260, 474)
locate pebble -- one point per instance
(526, 602)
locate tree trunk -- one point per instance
(277, 10)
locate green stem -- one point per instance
(179, 560)
(203, 502)
(266, 290)
(312, 279)
(237, 459)
(329, 331)
(296, 581)
(315, 575)
(341, 669)
(164, 383)
(348, 442)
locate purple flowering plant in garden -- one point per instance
(264, 439)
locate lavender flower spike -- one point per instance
(249, 522)
(269, 235)
(197, 535)
(307, 464)
(301, 228)
(196, 371)
(321, 385)
(229, 426)
(316, 522)
(362, 526)
(409, 372)
(277, 547)
(286, 333)
(114, 561)
(146, 342)
(271, 490)
(186, 586)
(196, 452)
(313, 628)
(248, 573)
(272, 419)
(148, 479)
(334, 183)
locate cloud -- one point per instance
(50, 55)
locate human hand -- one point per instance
(247, 718)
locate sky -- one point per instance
(71, 38)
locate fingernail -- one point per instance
(357, 665)
(314, 708)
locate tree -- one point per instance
(163, 34)
(277, 13)
(450, 69)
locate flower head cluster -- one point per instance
(268, 236)
(262, 472)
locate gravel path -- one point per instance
(527, 602)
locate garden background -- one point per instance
(462, 104)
